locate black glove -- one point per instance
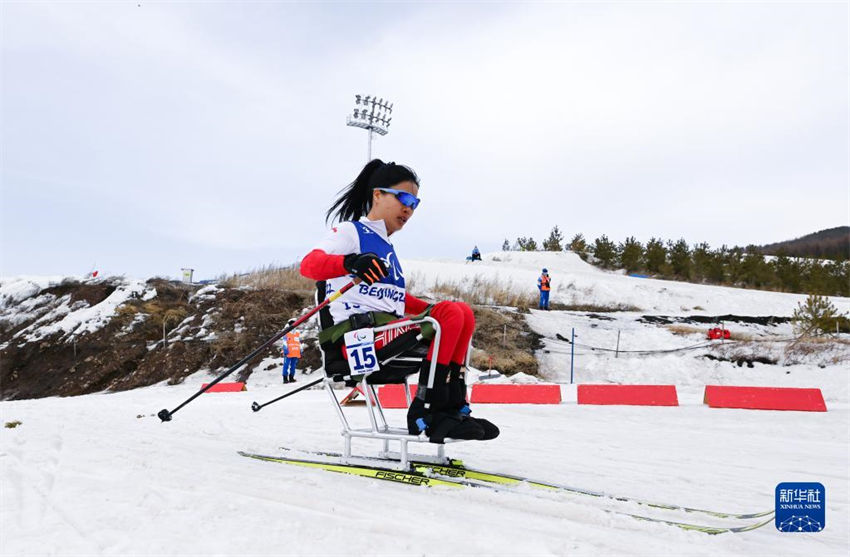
(368, 267)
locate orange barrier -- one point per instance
(636, 395)
(392, 396)
(515, 394)
(764, 398)
(351, 397)
(225, 387)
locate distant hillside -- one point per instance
(832, 243)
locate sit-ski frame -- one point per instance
(380, 429)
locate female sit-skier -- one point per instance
(370, 210)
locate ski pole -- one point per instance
(165, 415)
(256, 407)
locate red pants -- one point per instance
(457, 324)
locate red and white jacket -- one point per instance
(325, 262)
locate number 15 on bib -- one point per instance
(360, 348)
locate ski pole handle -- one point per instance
(165, 415)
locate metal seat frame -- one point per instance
(379, 428)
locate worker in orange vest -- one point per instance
(291, 354)
(544, 284)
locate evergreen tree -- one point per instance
(702, 258)
(754, 269)
(655, 256)
(631, 255)
(680, 259)
(816, 316)
(733, 262)
(553, 242)
(526, 244)
(815, 277)
(841, 274)
(605, 252)
(506, 246)
(834, 272)
(578, 245)
(715, 270)
(787, 275)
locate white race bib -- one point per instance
(360, 348)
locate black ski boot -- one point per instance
(417, 416)
(429, 411)
(457, 400)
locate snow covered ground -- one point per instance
(100, 475)
(88, 476)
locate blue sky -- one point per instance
(139, 138)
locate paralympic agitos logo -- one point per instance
(391, 261)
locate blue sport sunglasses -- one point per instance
(405, 198)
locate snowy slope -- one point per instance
(100, 475)
(643, 356)
(577, 282)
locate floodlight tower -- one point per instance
(371, 114)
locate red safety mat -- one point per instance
(636, 395)
(392, 396)
(765, 398)
(515, 394)
(225, 387)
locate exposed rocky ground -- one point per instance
(73, 337)
(205, 328)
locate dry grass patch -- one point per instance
(271, 278)
(504, 341)
(576, 303)
(817, 350)
(478, 291)
(741, 353)
(685, 330)
(594, 308)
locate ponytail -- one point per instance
(355, 200)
